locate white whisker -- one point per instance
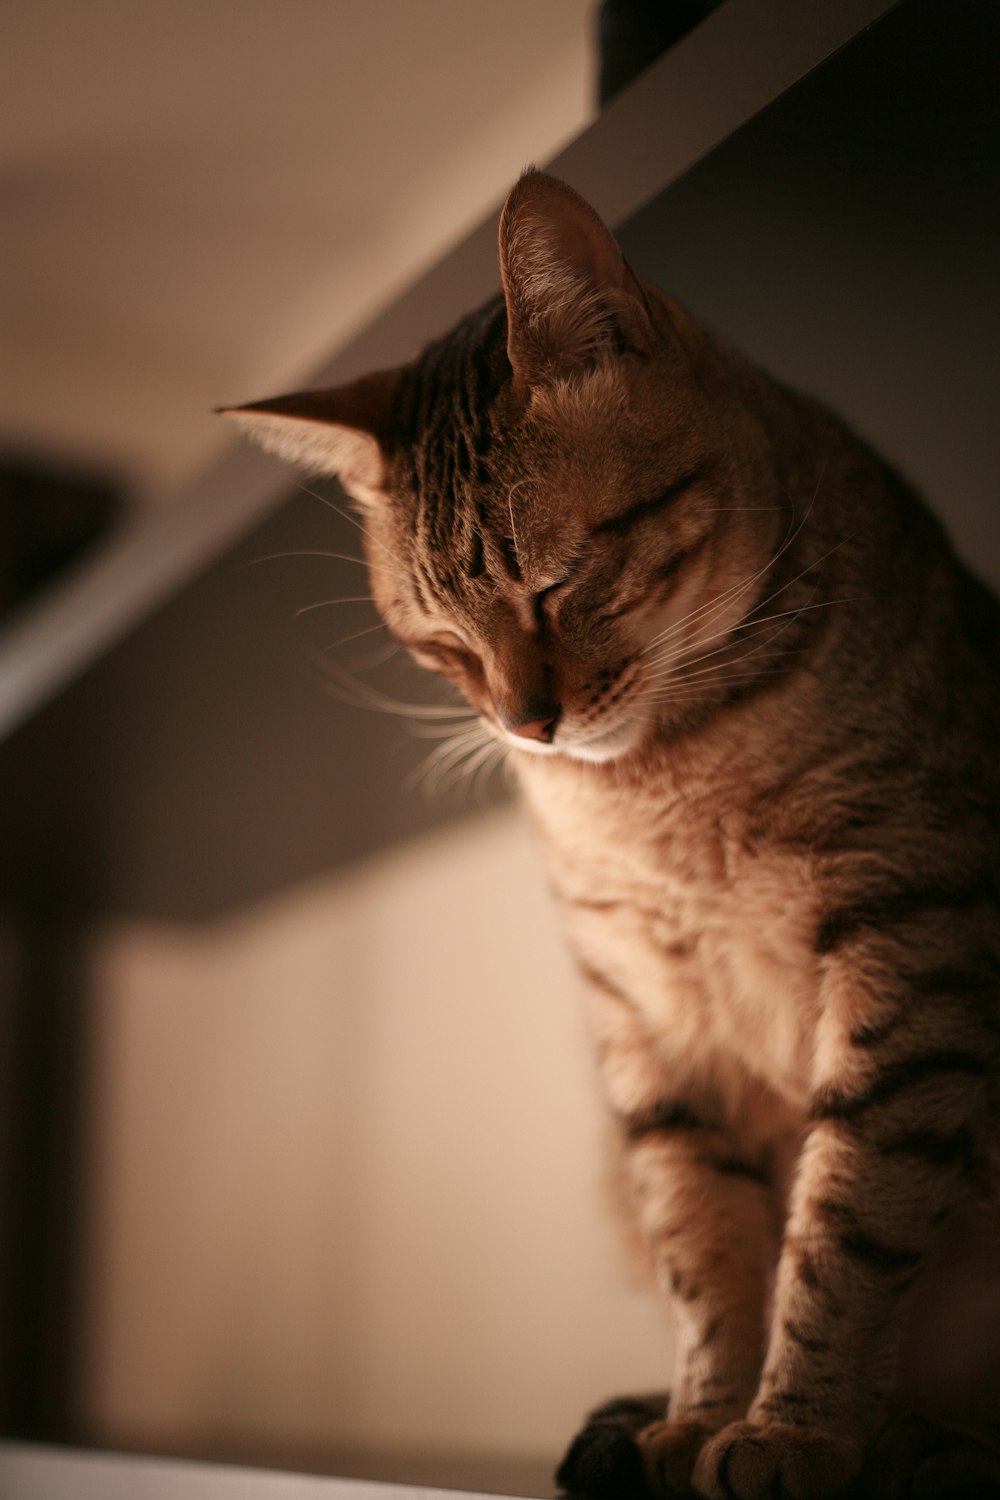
(737, 591)
(716, 605)
(747, 618)
(447, 760)
(693, 695)
(305, 609)
(668, 691)
(346, 515)
(748, 631)
(492, 756)
(437, 731)
(342, 685)
(324, 500)
(510, 512)
(356, 635)
(253, 562)
(376, 658)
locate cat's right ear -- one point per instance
(573, 302)
(346, 431)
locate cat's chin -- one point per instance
(598, 750)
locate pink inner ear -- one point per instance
(596, 256)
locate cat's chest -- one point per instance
(709, 935)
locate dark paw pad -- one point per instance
(603, 1461)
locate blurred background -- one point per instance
(301, 1154)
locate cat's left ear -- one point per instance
(573, 302)
(346, 431)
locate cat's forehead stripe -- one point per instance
(444, 416)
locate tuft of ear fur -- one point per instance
(347, 431)
(572, 300)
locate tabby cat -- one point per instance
(752, 701)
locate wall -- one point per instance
(348, 1165)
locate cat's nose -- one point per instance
(538, 729)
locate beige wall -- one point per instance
(212, 199)
(349, 1170)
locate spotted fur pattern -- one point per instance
(752, 700)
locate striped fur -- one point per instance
(762, 697)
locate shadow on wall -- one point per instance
(50, 518)
(633, 33)
(348, 1178)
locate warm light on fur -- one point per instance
(751, 698)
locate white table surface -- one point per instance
(29, 1472)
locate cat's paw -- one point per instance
(629, 1450)
(751, 1461)
(604, 1460)
(670, 1451)
(916, 1459)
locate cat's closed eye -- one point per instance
(545, 597)
(445, 649)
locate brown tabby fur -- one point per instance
(752, 700)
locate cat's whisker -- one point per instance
(376, 658)
(723, 669)
(667, 666)
(437, 731)
(683, 673)
(325, 500)
(726, 679)
(749, 620)
(354, 636)
(447, 761)
(494, 756)
(346, 515)
(762, 651)
(305, 609)
(484, 756)
(510, 511)
(342, 685)
(809, 567)
(668, 652)
(721, 601)
(455, 741)
(454, 747)
(704, 613)
(792, 531)
(738, 590)
(254, 562)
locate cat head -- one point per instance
(541, 488)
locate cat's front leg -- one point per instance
(707, 1212)
(709, 1216)
(895, 1133)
